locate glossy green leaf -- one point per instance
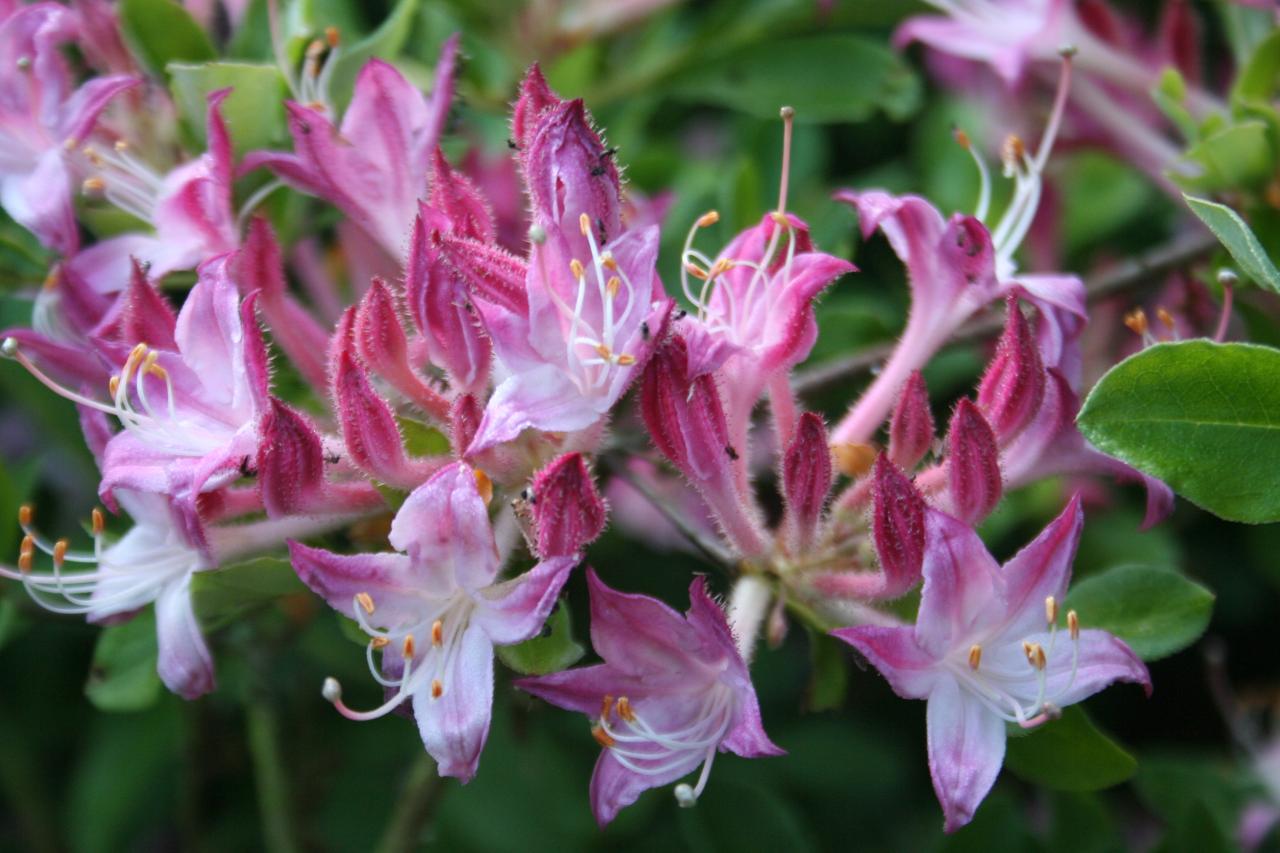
(1070, 754)
(825, 78)
(1203, 417)
(123, 674)
(1156, 611)
(161, 31)
(223, 596)
(1239, 241)
(253, 112)
(1238, 155)
(553, 651)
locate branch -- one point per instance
(1131, 273)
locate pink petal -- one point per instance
(959, 585)
(614, 787)
(640, 636)
(184, 663)
(455, 725)
(516, 610)
(387, 578)
(966, 749)
(1104, 660)
(544, 398)
(1041, 569)
(444, 528)
(910, 671)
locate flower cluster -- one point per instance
(257, 415)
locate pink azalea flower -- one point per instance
(986, 650)
(672, 691)
(573, 325)
(42, 118)
(375, 166)
(189, 208)
(436, 610)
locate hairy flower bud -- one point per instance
(382, 345)
(685, 416)
(290, 462)
(369, 428)
(535, 99)
(806, 480)
(911, 429)
(898, 528)
(973, 465)
(1013, 386)
(568, 512)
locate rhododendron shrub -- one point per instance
(801, 394)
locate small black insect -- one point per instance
(604, 232)
(597, 171)
(246, 469)
(333, 458)
(511, 143)
(733, 454)
(644, 330)
(609, 152)
(681, 314)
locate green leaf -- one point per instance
(826, 78)
(829, 680)
(553, 651)
(422, 440)
(254, 111)
(123, 675)
(1156, 611)
(1070, 754)
(1238, 155)
(160, 32)
(1239, 240)
(220, 597)
(1170, 95)
(384, 42)
(1257, 79)
(1203, 417)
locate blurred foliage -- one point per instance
(690, 95)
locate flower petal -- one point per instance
(1041, 569)
(444, 528)
(184, 664)
(614, 787)
(640, 635)
(910, 671)
(338, 578)
(455, 725)
(514, 611)
(544, 398)
(966, 749)
(959, 584)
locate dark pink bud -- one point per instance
(569, 173)
(535, 99)
(973, 465)
(685, 417)
(258, 267)
(369, 428)
(1179, 39)
(807, 475)
(441, 309)
(458, 199)
(464, 423)
(144, 316)
(568, 512)
(911, 428)
(1013, 386)
(257, 367)
(491, 273)
(290, 461)
(898, 528)
(382, 345)
(342, 340)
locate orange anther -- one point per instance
(437, 633)
(975, 656)
(483, 485)
(602, 737)
(365, 601)
(711, 217)
(624, 709)
(437, 689)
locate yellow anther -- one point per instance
(150, 361)
(1073, 624)
(437, 633)
(721, 266)
(138, 351)
(1014, 149)
(379, 642)
(781, 218)
(407, 648)
(60, 552)
(1051, 610)
(437, 689)
(25, 561)
(92, 156)
(854, 460)
(606, 707)
(99, 523)
(121, 146)
(1136, 320)
(613, 286)
(331, 36)
(624, 709)
(706, 220)
(1035, 654)
(25, 515)
(961, 138)
(608, 261)
(484, 486)
(604, 351)
(28, 545)
(626, 360)
(602, 737)
(314, 49)
(365, 601)
(575, 266)
(113, 385)
(584, 224)
(157, 371)
(975, 656)
(1165, 317)
(94, 186)
(696, 271)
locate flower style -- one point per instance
(672, 691)
(41, 119)
(572, 325)
(986, 650)
(435, 611)
(375, 166)
(153, 562)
